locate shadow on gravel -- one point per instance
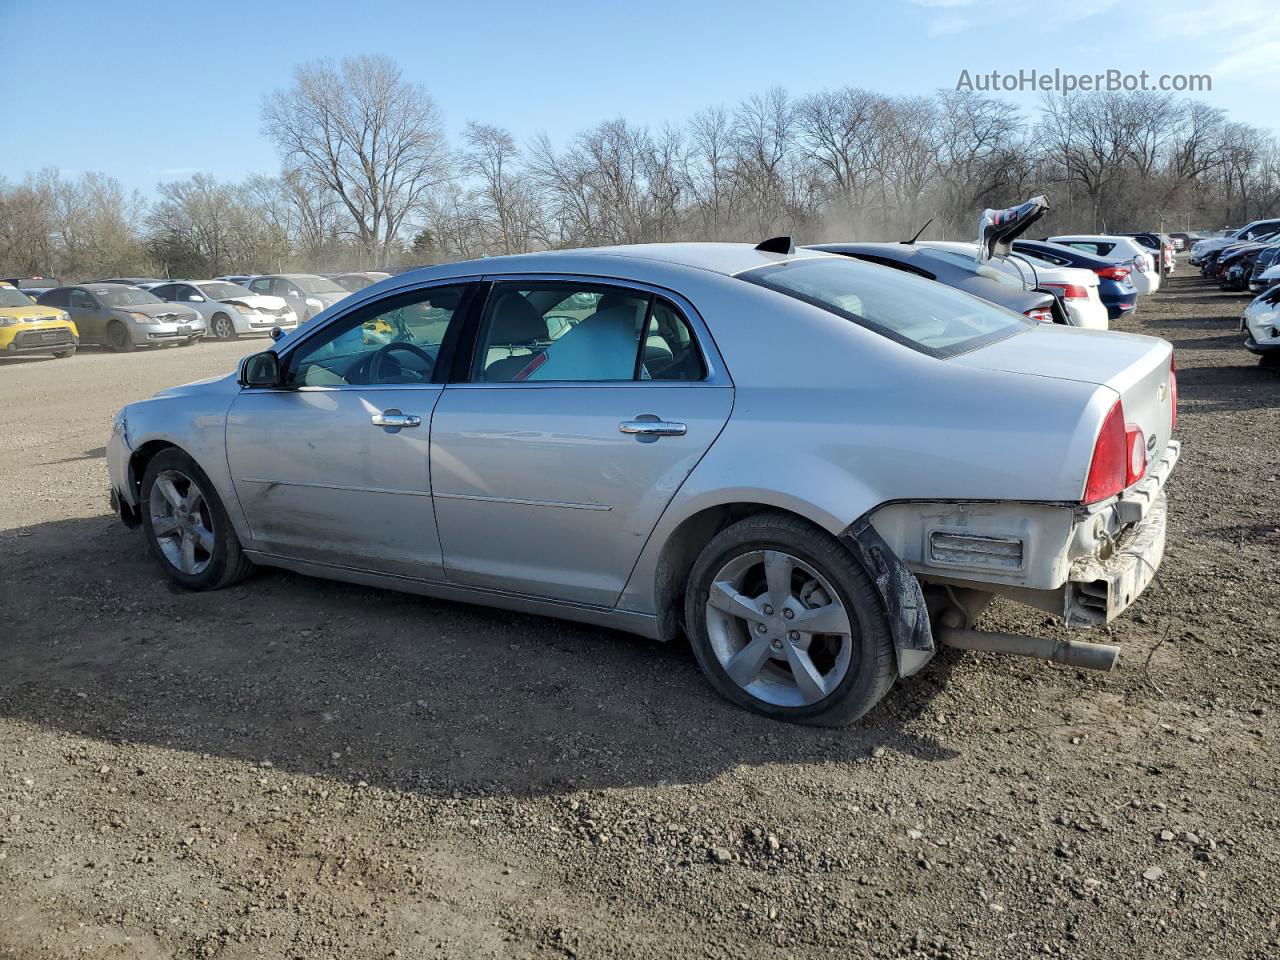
(351, 683)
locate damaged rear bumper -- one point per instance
(1100, 589)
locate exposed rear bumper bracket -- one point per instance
(900, 592)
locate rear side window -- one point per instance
(566, 332)
(926, 316)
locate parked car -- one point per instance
(1160, 246)
(355, 282)
(1214, 263)
(1260, 323)
(1115, 290)
(1250, 231)
(819, 468)
(1122, 250)
(1235, 268)
(229, 309)
(1076, 291)
(306, 293)
(125, 317)
(1270, 277)
(1263, 262)
(26, 328)
(959, 270)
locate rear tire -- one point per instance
(119, 338)
(180, 507)
(774, 563)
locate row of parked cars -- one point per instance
(1248, 260)
(1082, 280)
(38, 315)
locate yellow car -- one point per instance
(26, 327)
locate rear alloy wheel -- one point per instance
(187, 527)
(119, 339)
(223, 328)
(784, 622)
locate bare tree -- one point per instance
(360, 130)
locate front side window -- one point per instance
(164, 292)
(260, 285)
(394, 341)
(565, 332)
(927, 316)
(80, 300)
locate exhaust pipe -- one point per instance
(1072, 653)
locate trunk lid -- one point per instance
(1136, 368)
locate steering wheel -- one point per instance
(379, 360)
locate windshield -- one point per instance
(918, 313)
(317, 285)
(223, 291)
(118, 295)
(10, 297)
(971, 264)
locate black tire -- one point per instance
(119, 339)
(873, 666)
(1269, 361)
(63, 354)
(222, 327)
(228, 565)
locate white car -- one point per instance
(1269, 278)
(231, 310)
(1250, 231)
(1076, 289)
(1124, 250)
(1260, 322)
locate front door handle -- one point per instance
(395, 419)
(647, 427)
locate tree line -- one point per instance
(369, 179)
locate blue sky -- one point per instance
(147, 91)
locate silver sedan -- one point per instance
(816, 469)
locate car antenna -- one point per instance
(776, 245)
(920, 231)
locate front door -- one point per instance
(587, 407)
(334, 467)
(90, 317)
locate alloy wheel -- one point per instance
(779, 628)
(182, 522)
(223, 329)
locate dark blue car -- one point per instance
(1114, 289)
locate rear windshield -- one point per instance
(922, 314)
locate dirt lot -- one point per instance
(295, 768)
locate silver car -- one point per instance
(815, 468)
(305, 293)
(230, 310)
(124, 317)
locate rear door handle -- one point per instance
(395, 419)
(648, 427)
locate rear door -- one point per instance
(585, 406)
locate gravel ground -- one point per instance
(295, 768)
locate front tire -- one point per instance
(119, 338)
(223, 328)
(186, 527)
(786, 623)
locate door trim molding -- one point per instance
(565, 504)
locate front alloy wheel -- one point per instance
(223, 328)
(181, 522)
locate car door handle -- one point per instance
(653, 427)
(394, 418)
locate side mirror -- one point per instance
(261, 370)
(196, 298)
(277, 333)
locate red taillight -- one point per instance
(1107, 470)
(1113, 273)
(1135, 460)
(1173, 393)
(1069, 291)
(1040, 314)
